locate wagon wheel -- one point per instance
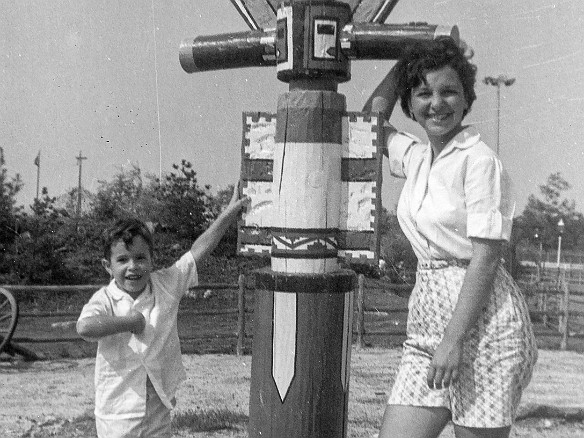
(8, 317)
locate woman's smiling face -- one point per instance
(439, 105)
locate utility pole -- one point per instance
(80, 159)
(497, 82)
(37, 163)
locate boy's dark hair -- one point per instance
(426, 56)
(126, 230)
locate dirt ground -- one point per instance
(55, 397)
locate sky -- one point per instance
(103, 78)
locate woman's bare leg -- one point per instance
(472, 432)
(413, 421)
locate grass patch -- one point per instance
(80, 427)
(199, 420)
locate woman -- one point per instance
(470, 348)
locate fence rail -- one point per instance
(559, 305)
(554, 305)
(34, 292)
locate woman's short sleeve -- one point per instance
(399, 147)
(489, 204)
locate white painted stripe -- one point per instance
(307, 185)
(347, 340)
(358, 138)
(304, 266)
(261, 136)
(255, 249)
(357, 205)
(356, 254)
(260, 212)
(284, 341)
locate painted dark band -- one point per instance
(358, 169)
(340, 281)
(317, 232)
(352, 169)
(257, 170)
(355, 240)
(309, 242)
(255, 236)
(309, 125)
(303, 254)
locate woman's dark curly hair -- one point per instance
(426, 56)
(126, 230)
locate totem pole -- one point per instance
(313, 174)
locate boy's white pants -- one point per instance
(155, 424)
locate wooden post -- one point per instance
(560, 299)
(544, 304)
(302, 323)
(360, 312)
(241, 314)
(565, 314)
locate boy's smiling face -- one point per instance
(130, 265)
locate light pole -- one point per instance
(538, 239)
(501, 79)
(560, 232)
(79, 159)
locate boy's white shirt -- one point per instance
(124, 360)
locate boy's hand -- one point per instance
(138, 322)
(236, 202)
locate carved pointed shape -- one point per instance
(284, 341)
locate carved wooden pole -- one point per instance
(302, 337)
(302, 320)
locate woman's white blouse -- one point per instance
(464, 193)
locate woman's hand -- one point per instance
(445, 365)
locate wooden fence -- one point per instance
(560, 305)
(81, 293)
(557, 305)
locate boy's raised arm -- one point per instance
(207, 241)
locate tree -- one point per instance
(42, 247)
(541, 216)
(126, 195)
(9, 188)
(182, 206)
(396, 250)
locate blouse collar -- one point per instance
(469, 136)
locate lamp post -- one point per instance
(537, 237)
(497, 82)
(560, 232)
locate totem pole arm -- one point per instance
(385, 90)
(383, 100)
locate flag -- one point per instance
(37, 160)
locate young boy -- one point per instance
(138, 367)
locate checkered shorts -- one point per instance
(498, 354)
